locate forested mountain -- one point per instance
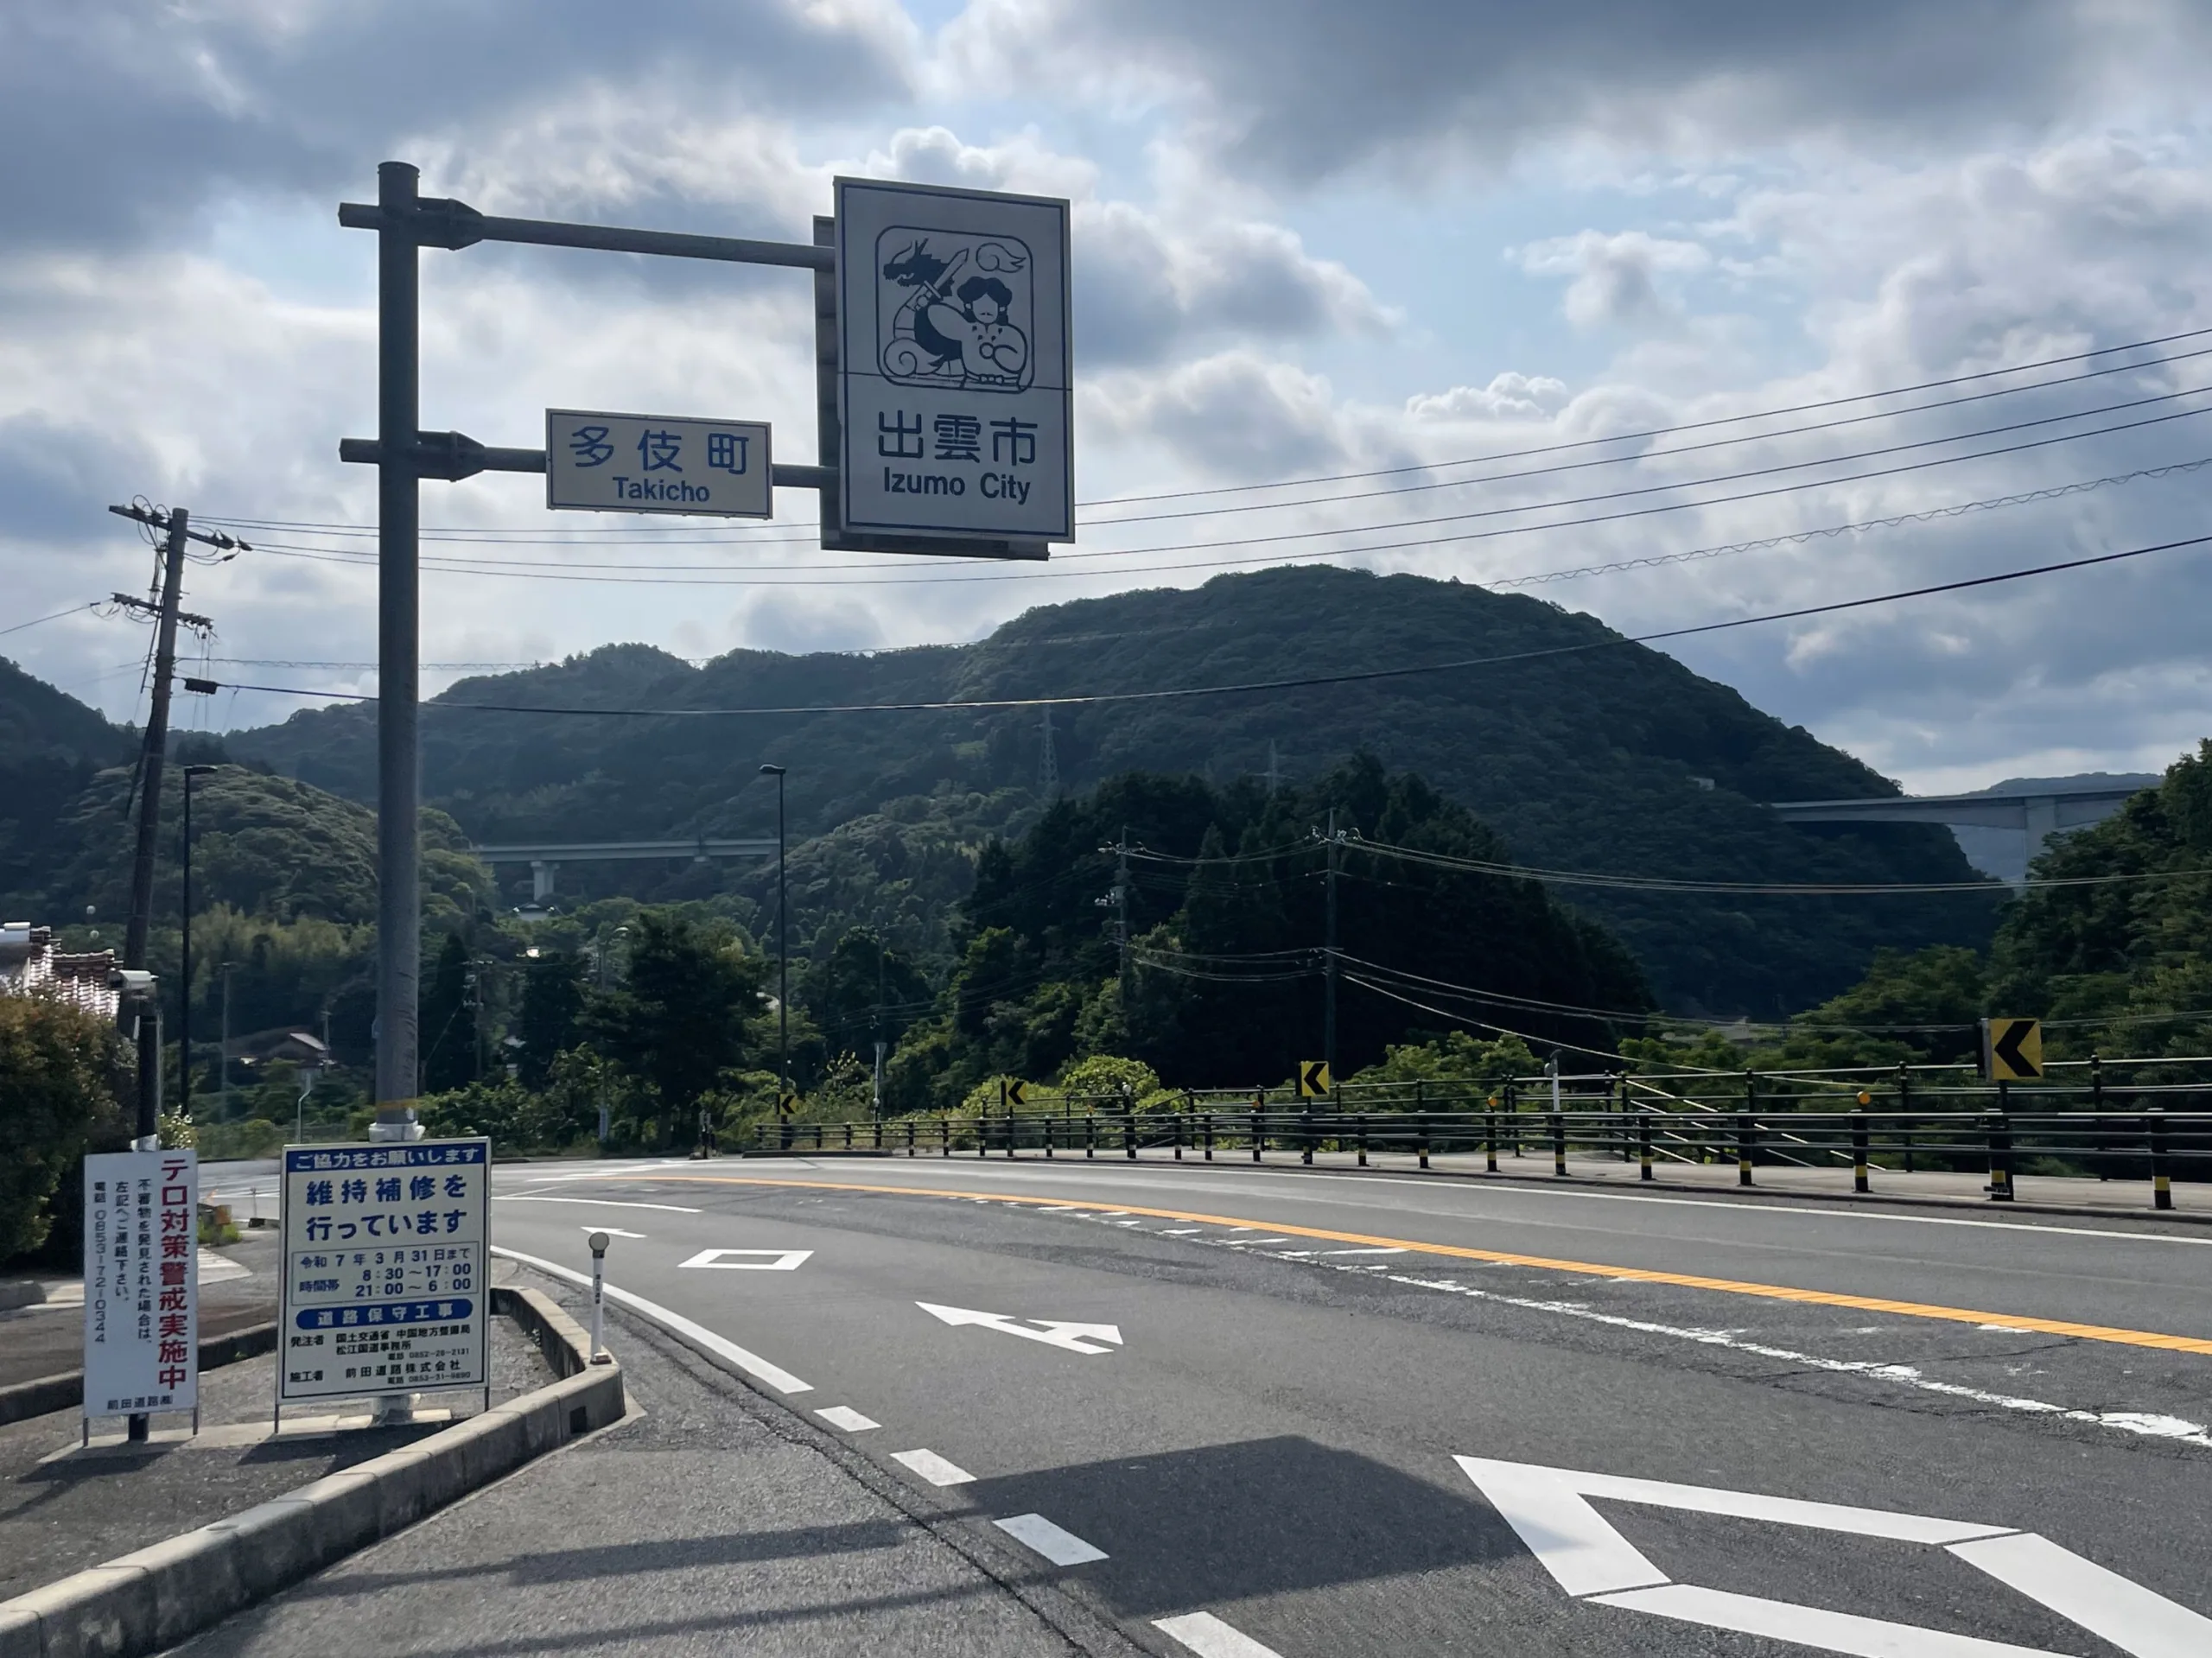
(50, 745)
(1612, 757)
(1224, 893)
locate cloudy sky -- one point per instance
(1434, 244)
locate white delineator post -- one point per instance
(599, 1242)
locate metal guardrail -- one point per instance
(2155, 1145)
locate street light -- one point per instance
(184, 978)
(783, 949)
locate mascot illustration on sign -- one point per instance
(953, 310)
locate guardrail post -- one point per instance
(849, 1136)
(1206, 1128)
(2162, 1184)
(1421, 1132)
(1305, 1135)
(1489, 1137)
(1513, 1113)
(1129, 1134)
(911, 1126)
(944, 1132)
(1360, 1123)
(1258, 1107)
(1997, 1127)
(1643, 1145)
(1746, 1146)
(1182, 1117)
(982, 1133)
(1558, 1142)
(1858, 1150)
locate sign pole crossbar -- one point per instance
(964, 318)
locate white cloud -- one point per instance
(1615, 277)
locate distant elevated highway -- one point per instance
(2038, 816)
(546, 857)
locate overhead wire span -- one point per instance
(1565, 447)
(1294, 682)
(1059, 570)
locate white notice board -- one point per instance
(142, 1282)
(954, 381)
(384, 1269)
(600, 462)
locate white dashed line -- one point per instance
(1392, 1251)
(1208, 1636)
(933, 1468)
(590, 1202)
(1060, 1547)
(846, 1417)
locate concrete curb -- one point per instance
(157, 1596)
(20, 1292)
(42, 1395)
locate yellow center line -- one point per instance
(1511, 1258)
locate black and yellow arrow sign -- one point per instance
(1314, 1079)
(785, 1104)
(1017, 1095)
(2011, 1049)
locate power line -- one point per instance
(471, 532)
(90, 604)
(1298, 682)
(506, 567)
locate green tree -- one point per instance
(862, 991)
(59, 1071)
(683, 1016)
(548, 1021)
(447, 1027)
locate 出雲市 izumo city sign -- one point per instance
(953, 376)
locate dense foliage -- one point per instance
(60, 1071)
(1224, 893)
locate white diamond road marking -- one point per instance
(756, 1260)
(1548, 1508)
(933, 1468)
(846, 1417)
(1208, 1636)
(1060, 1547)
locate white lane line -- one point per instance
(612, 1231)
(1060, 1547)
(1392, 1250)
(2149, 1426)
(1059, 1209)
(1180, 1231)
(752, 1363)
(593, 1203)
(1253, 1243)
(1808, 1626)
(846, 1417)
(2129, 1616)
(1208, 1636)
(933, 1468)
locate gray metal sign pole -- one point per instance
(403, 455)
(399, 873)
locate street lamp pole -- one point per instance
(783, 946)
(184, 975)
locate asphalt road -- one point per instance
(1221, 1406)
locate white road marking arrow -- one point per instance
(613, 1232)
(1054, 1333)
